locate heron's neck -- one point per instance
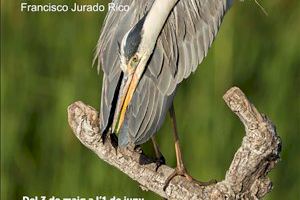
(155, 21)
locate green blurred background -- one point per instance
(46, 64)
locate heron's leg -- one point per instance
(180, 169)
(160, 160)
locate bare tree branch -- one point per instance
(245, 179)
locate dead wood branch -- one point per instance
(245, 179)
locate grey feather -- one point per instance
(182, 45)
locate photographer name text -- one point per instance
(76, 7)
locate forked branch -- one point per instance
(245, 179)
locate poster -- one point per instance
(50, 60)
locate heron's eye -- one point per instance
(134, 61)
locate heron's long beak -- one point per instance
(128, 86)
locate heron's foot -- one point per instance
(203, 183)
(160, 161)
(181, 171)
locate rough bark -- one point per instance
(245, 179)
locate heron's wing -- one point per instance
(115, 26)
(183, 43)
(185, 40)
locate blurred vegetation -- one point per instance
(46, 64)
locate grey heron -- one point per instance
(145, 53)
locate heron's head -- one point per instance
(135, 51)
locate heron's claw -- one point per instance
(210, 182)
(159, 162)
(181, 171)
